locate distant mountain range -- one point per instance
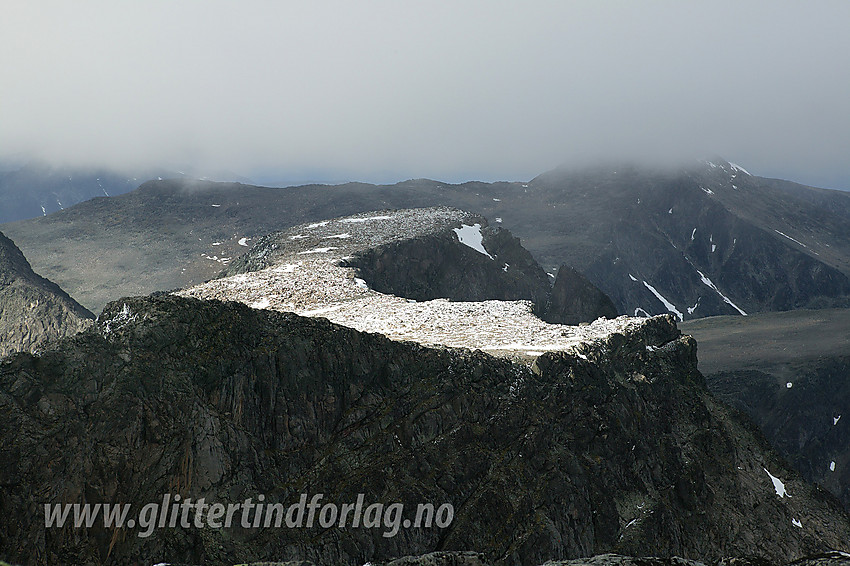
(35, 189)
(704, 240)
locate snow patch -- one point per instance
(243, 242)
(835, 420)
(297, 237)
(215, 205)
(670, 211)
(739, 168)
(221, 260)
(361, 283)
(790, 238)
(263, 303)
(317, 224)
(632, 277)
(642, 313)
(340, 236)
(789, 385)
(470, 236)
(667, 304)
(778, 486)
(707, 191)
(797, 523)
(706, 281)
(497, 200)
(832, 466)
(694, 233)
(499, 220)
(318, 250)
(693, 308)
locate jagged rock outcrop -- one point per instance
(573, 299)
(416, 253)
(614, 447)
(438, 266)
(33, 310)
(364, 271)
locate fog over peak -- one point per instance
(382, 90)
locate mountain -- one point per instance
(611, 445)
(702, 240)
(33, 310)
(36, 189)
(790, 372)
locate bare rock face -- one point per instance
(33, 310)
(616, 446)
(574, 299)
(439, 266)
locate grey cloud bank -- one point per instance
(380, 90)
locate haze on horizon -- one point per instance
(383, 90)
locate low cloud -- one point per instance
(388, 90)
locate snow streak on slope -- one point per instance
(667, 304)
(726, 299)
(790, 238)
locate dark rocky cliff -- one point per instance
(437, 266)
(808, 422)
(790, 372)
(574, 299)
(33, 310)
(617, 447)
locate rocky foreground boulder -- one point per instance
(33, 310)
(613, 447)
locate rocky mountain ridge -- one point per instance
(616, 446)
(437, 276)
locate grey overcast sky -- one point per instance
(454, 90)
